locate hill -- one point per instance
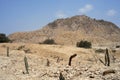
(71, 30)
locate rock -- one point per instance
(108, 72)
(91, 76)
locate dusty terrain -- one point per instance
(85, 66)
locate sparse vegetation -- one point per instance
(49, 41)
(59, 62)
(84, 44)
(101, 20)
(3, 38)
(43, 65)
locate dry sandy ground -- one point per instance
(85, 66)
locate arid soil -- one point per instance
(46, 62)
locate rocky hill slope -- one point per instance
(71, 30)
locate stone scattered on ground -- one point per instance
(85, 66)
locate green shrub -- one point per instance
(49, 41)
(84, 44)
(3, 38)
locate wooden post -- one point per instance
(107, 58)
(70, 59)
(8, 52)
(26, 65)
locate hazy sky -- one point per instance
(26, 15)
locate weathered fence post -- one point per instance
(26, 65)
(70, 59)
(107, 58)
(8, 52)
